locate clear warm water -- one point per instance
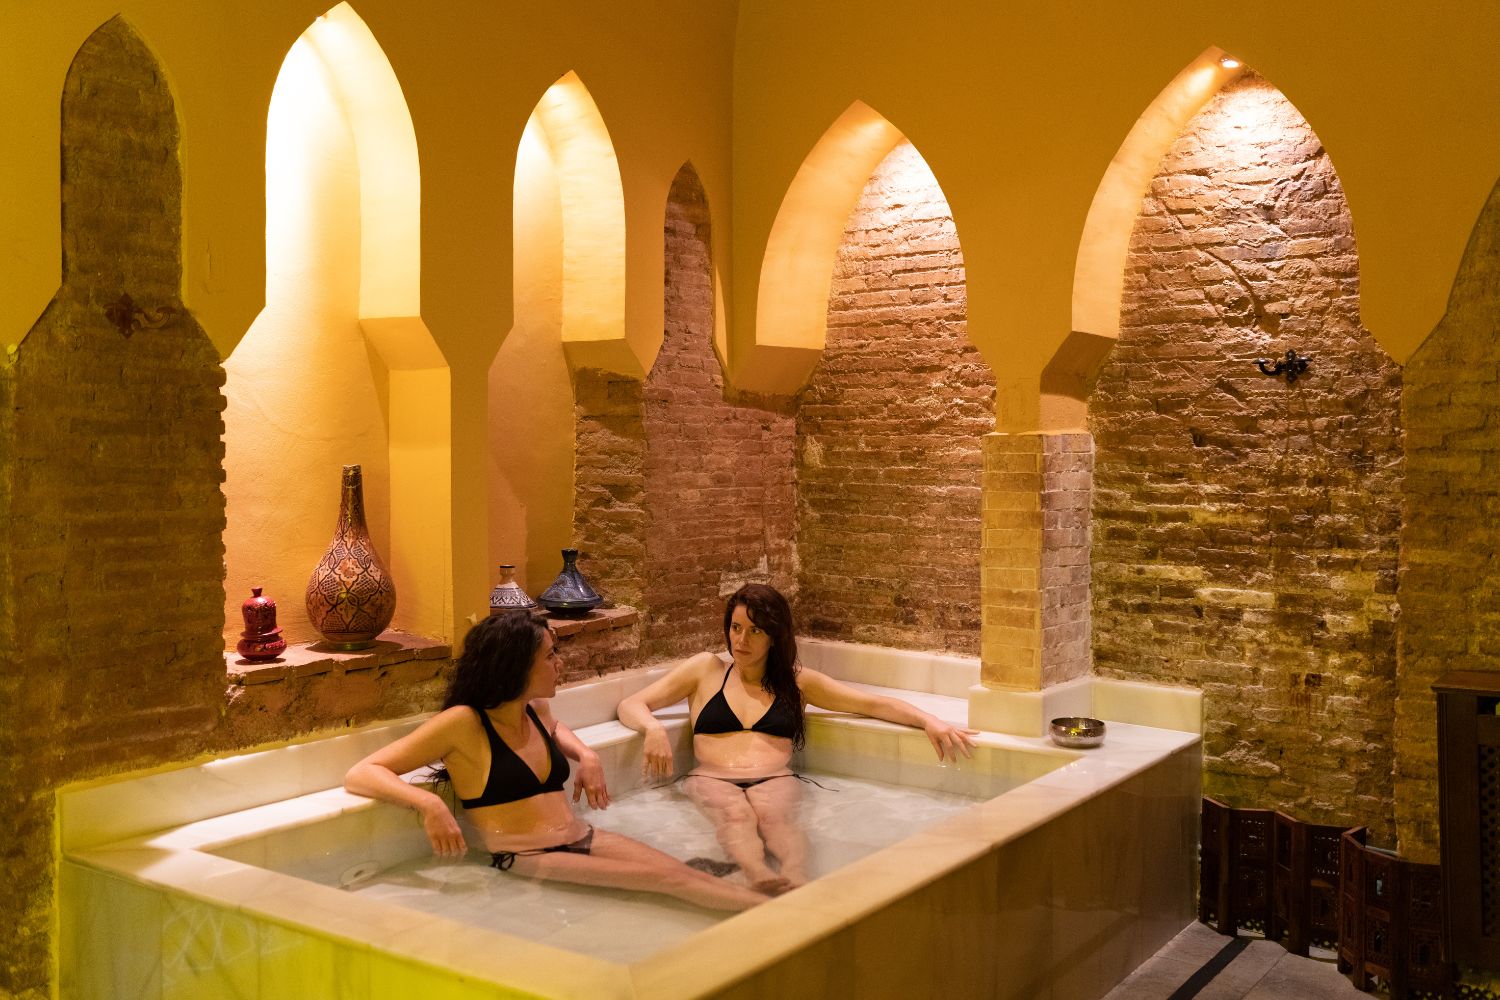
(847, 820)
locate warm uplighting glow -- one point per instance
(1099, 273)
(1229, 62)
(306, 394)
(593, 207)
(792, 308)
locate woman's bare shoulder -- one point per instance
(705, 662)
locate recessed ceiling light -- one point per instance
(1229, 62)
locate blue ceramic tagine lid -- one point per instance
(570, 595)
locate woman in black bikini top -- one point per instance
(736, 779)
(507, 759)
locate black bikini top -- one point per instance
(717, 717)
(511, 779)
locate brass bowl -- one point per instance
(1076, 732)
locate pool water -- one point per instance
(846, 819)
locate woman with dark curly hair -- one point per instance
(743, 779)
(506, 757)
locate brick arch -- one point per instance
(718, 476)
(1245, 529)
(889, 428)
(1449, 540)
(110, 509)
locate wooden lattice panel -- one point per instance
(1489, 840)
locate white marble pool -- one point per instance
(1042, 872)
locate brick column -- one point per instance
(1035, 589)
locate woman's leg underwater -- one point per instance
(737, 827)
(777, 804)
(617, 862)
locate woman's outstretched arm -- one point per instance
(947, 739)
(379, 777)
(635, 711)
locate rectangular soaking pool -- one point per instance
(1029, 871)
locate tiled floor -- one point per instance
(1262, 971)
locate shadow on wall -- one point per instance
(1449, 538)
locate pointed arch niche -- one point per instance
(569, 233)
(1099, 269)
(338, 369)
(1245, 528)
(791, 306)
(889, 427)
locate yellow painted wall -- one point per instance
(531, 397)
(1020, 108)
(659, 74)
(304, 395)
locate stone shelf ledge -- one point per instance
(307, 659)
(596, 621)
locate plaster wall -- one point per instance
(530, 409)
(1415, 147)
(305, 395)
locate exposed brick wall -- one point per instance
(113, 516)
(1035, 592)
(609, 515)
(719, 489)
(1245, 530)
(1067, 491)
(1450, 601)
(889, 430)
(309, 688)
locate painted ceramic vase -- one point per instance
(508, 595)
(570, 595)
(261, 639)
(351, 597)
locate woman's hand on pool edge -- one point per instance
(590, 782)
(657, 756)
(442, 830)
(950, 740)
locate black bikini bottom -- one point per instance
(757, 781)
(583, 845)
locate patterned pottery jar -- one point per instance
(351, 597)
(508, 595)
(570, 595)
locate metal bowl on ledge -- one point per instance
(1076, 732)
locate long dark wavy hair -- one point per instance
(496, 662)
(493, 668)
(771, 613)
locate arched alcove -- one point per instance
(791, 305)
(718, 486)
(569, 281)
(110, 510)
(339, 368)
(593, 228)
(1245, 526)
(1099, 269)
(890, 425)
